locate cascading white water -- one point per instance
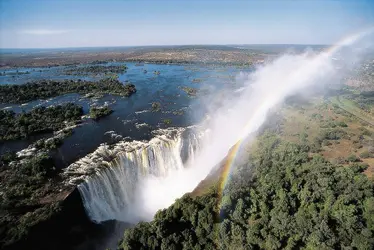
(154, 174)
(112, 193)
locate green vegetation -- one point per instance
(98, 112)
(7, 157)
(333, 124)
(23, 181)
(23, 184)
(333, 134)
(23, 178)
(47, 88)
(190, 91)
(352, 108)
(353, 158)
(31, 188)
(178, 112)
(167, 121)
(366, 154)
(39, 120)
(14, 73)
(50, 143)
(281, 198)
(287, 195)
(96, 70)
(53, 142)
(15, 229)
(341, 124)
(156, 106)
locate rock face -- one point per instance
(64, 223)
(68, 228)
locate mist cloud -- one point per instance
(263, 90)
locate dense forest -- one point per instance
(39, 120)
(34, 213)
(22, 185)
(98, 112)
(30, 184)
(283, 197)
(96, 70)
(48, 88)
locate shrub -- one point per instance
(97, 113)
(342, 124)
(333, 134)
(341, 160)
(156, 106)
(167, 121)
(326, 143)
(7, 157)
(365, 155)
(353, 158)
(365, 131)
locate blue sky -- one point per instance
(91, 23)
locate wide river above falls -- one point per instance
(132, 118)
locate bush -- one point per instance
(156, 106)
(365, 155)
(97, 113)
(7, 157)
(341, 160)
(353, 158)
(317, 116)
(190, 91)
(365, 131)
(333, 134)
(341, 124)
(371, 149)
(167, 121)
(326, 143)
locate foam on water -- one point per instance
(150, 176)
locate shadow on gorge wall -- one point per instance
(69, 228)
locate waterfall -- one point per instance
(147, 176)
(114, 191)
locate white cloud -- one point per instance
(44, 32)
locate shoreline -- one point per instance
(144, 61)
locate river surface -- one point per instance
(132, 118)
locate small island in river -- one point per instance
(52, 120)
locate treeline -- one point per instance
(23, 179)
(98, 112)
(96, 69)
(44, 89)
(39, 120)
(281, 198)
(23, 184)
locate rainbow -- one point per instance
(231, 156)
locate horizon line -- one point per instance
(169, 45)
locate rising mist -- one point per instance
(263, 90)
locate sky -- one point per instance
(94, 23)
